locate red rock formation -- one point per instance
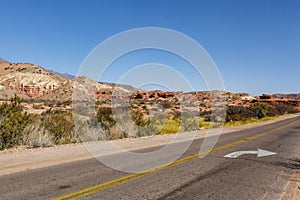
(152, 95)
(105, 93)
(265, 96)
(28, 79)
(34, 91)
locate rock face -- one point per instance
(276, 99)
(152, 94)
(265, 96)
(85, 89)
(287, 96)
(28, 80)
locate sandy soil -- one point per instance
(292, 190)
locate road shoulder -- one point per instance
(292, 190)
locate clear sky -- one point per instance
(254, 43)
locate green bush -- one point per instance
(12, 123)
(236, 113)
(285, 109)
(166, 104)
(138, 118)
(115, 133)
(262, 110)
(171, 126)
(189, 122)
(105, 118)
(59, 124)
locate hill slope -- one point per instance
(287, 96)
(27, 80)
(87, 88)
(30, 81)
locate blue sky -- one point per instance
(254, 43)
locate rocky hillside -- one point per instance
(86, 88)
(30, 81)
(287, 96)
(27, 80)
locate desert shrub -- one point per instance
(37, 136)
(152, 128)
(236, 113)
(206, 115)
(105, 118)
(138, 118)
(166, 104)
(189, 122)
(135, 125)
(87, 129)
(38, 106)
(285, 109)
(129, 128)
(203, 123)
(262, 110)
(144, 125)
(171, 126)
(12, 123)
(176, 113)
(59, 124)
(115, 133)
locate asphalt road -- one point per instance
(211, 177)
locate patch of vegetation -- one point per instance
(57, 126)
(105, 118)
(257, 112)
(251, 121)
(20, 128)
(262, 110)
(237, 113)
(38, 106)
(12, 123)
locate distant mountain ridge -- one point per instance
(2, 60)
(65, 75)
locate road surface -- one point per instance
(190, 177)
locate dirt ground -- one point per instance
(292, 190)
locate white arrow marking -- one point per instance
(259, 152)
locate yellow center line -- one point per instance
(103, 186)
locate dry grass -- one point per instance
(252, 121)
(37, 136)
